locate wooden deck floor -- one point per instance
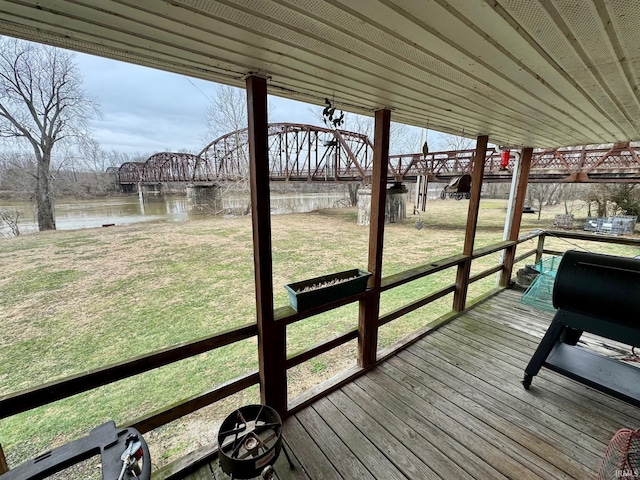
(452, 407)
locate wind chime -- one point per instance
(422, 183)
(329, 116)
(331, 120)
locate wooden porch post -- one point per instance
(540, 246)
(271, 334)
(521, 191)
(464, 269)
(4, 467)
(370, 304)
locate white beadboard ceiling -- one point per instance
(536, 73)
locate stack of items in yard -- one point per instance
(563, 221)
(616, 225)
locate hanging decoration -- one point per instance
(425, 147)
(329, 116)
(504, 158)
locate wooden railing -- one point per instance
(15, 403)
(582, 236)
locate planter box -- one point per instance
(331, 293)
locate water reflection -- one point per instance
(74, 214)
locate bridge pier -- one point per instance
(204, 199)
(395, 205)
(364, 206)
(150, 188)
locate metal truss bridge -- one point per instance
(303, 153)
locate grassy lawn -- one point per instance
(71, 301)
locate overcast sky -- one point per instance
(147, 111)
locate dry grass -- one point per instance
(76, 300)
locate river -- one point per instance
(76, 214)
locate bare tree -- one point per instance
(4, 167)
(227, 112)
(543, 194)
(225, 115)
(454, 142)
(626, 198)
(570, 194)
(600, 194)
(42, 103)
(18, 173)
(10, 218)
(93, 163)
(354, 122)
(115, 159)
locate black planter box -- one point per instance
(319, 296)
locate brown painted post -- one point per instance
(271, 334)
(523, 179)
(4, 467)
(540, 246)
(464, 269)
(370, 304)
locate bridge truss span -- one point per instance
(617, 163)
(296, 153)
(307, 153)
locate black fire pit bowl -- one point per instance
(249, 440)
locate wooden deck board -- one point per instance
(472, 415)
(581, 400)
(411, 451)
(425, 411)
(502, 380)
(360, 446)
(430, 433)
(497, 412)
(452, 406)
(501, 344)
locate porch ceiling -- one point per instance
(526, 72)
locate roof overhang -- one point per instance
(526, 72)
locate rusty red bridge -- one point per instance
(307, 153)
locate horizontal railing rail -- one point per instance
(290, 315)
(608, 239)
(29, 399)
(321, 348)
(421, 271)
(399, 312)
(387, 283)
(590, 237)
(186, 406)
(525, 255)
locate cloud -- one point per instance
(148, 111)
(144, 110)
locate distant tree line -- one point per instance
(600, 199)
(81, 175)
